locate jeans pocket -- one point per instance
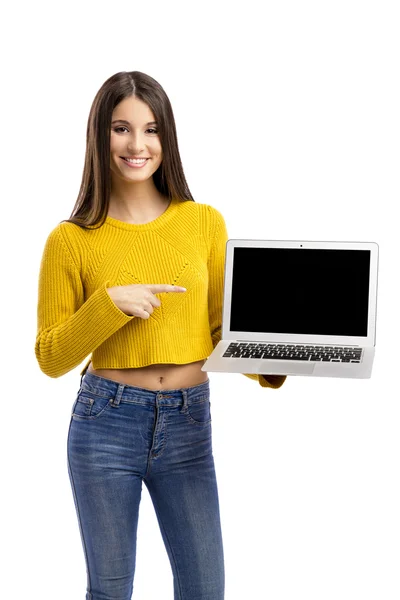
(199, 411)
(90, 406)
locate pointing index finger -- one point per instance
(158, 288)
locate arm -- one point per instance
(68, 328)
(216, 267)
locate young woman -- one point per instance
(135, 278)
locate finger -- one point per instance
(153, 300)
(159, 288)
(149, 308)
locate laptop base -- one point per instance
(216, 363)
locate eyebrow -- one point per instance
(127, 122)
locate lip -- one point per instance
(132, 166)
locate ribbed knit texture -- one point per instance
(184, 246)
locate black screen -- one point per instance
(300, 291)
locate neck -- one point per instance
(138, 200)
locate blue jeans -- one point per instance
(120, 435)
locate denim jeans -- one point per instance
(120, 435)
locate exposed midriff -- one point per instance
(158, 376)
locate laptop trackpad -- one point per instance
(286, 368)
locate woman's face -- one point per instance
(134, 133)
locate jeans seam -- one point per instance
(166, 418)
(176, 574)
(79, 516)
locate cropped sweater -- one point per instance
(76, 317)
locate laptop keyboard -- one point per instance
(293, 352)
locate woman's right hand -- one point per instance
(138, 300)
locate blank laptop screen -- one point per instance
(300, 291)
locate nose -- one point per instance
(135, 144)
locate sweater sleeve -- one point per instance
(216, 269)
(69, 328)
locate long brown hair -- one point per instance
(92, 204)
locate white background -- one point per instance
(288, 122)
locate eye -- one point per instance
(117, 129)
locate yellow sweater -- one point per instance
(76, 317)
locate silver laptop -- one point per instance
(298, 308)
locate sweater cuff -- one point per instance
(272, 381)
(267, 381)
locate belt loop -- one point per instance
(120, 391)
(84, 373)
(185, 402)
(82, 376)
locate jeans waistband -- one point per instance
(123, 392)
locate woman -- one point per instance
(135, 278)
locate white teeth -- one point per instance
(137, 161)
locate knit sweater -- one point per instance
(76, 317)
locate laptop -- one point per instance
(298, 308)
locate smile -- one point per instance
(135, 162)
